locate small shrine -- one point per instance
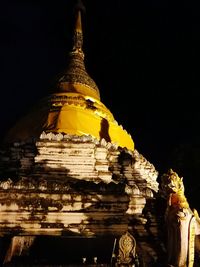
(75, 191)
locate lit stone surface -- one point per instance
(58, 164)
(74, 185)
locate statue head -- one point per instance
(171, 183)
(172, 186)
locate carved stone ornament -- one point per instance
(127, 250)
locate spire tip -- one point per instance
(79, 6)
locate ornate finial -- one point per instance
(78, 33)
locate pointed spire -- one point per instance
(75, 78)
(78, 33)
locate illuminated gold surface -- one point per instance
(78, 26)
(71, 113)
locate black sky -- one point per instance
(143, 55)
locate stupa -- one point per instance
(74, 190)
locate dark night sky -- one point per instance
(143, 55)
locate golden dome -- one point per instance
(75, 108)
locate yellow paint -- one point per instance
(191, 243)
(70, 113)
(76, 118)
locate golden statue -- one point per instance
(182, 223)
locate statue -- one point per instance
(181, 222)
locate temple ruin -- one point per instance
(74, 189)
